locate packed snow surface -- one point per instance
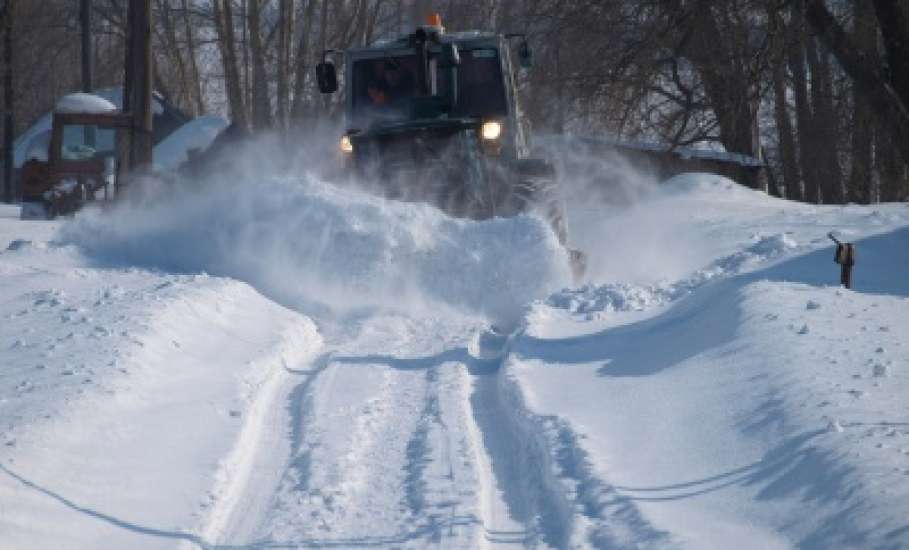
(274, 362)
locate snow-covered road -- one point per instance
(311, 367)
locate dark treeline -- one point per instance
(818, 89)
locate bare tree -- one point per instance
(285, 39)
(787, 150)
(195, 84)
(261, 104)
(302, 64)
(223, 15)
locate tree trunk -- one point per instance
(285, 37)
(173, 51)
(224, 25)
(195, 80)
(85, 16)
(787, 151)
(785, 138)
(9, 193)
(892, 18)
(804, 118)
(825, 128)
(889, 108)
(302, 65)
(892, 171)
(860, 176)
(261, 105)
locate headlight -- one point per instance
(346, 144)
(491, 130)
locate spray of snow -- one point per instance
(312, 245)
(590, 301)
(618, 215)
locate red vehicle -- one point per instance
(79, 164)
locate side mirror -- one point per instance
(451, 57)
(327, 77)
(525, 54)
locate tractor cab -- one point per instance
(463, 79)
(78, 162)
(453, 79)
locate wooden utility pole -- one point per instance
(8, 130)
(137, 93)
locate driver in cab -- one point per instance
(390, 86)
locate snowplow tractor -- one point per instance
(434, 117)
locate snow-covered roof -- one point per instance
(81, 102)
(195, 134)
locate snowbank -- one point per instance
(132, 401)
(751, 403)
(306, 242)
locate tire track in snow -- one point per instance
(344, 484)
(433, 451)
(577, 508)
(522, 506)
(537, 468)
(248, 477)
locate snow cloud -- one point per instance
(329, 249)
(617, 215)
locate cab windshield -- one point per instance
(383, 87)
(83, 142)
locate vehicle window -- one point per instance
(383, 87)
(481, 89)
(82, 142)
